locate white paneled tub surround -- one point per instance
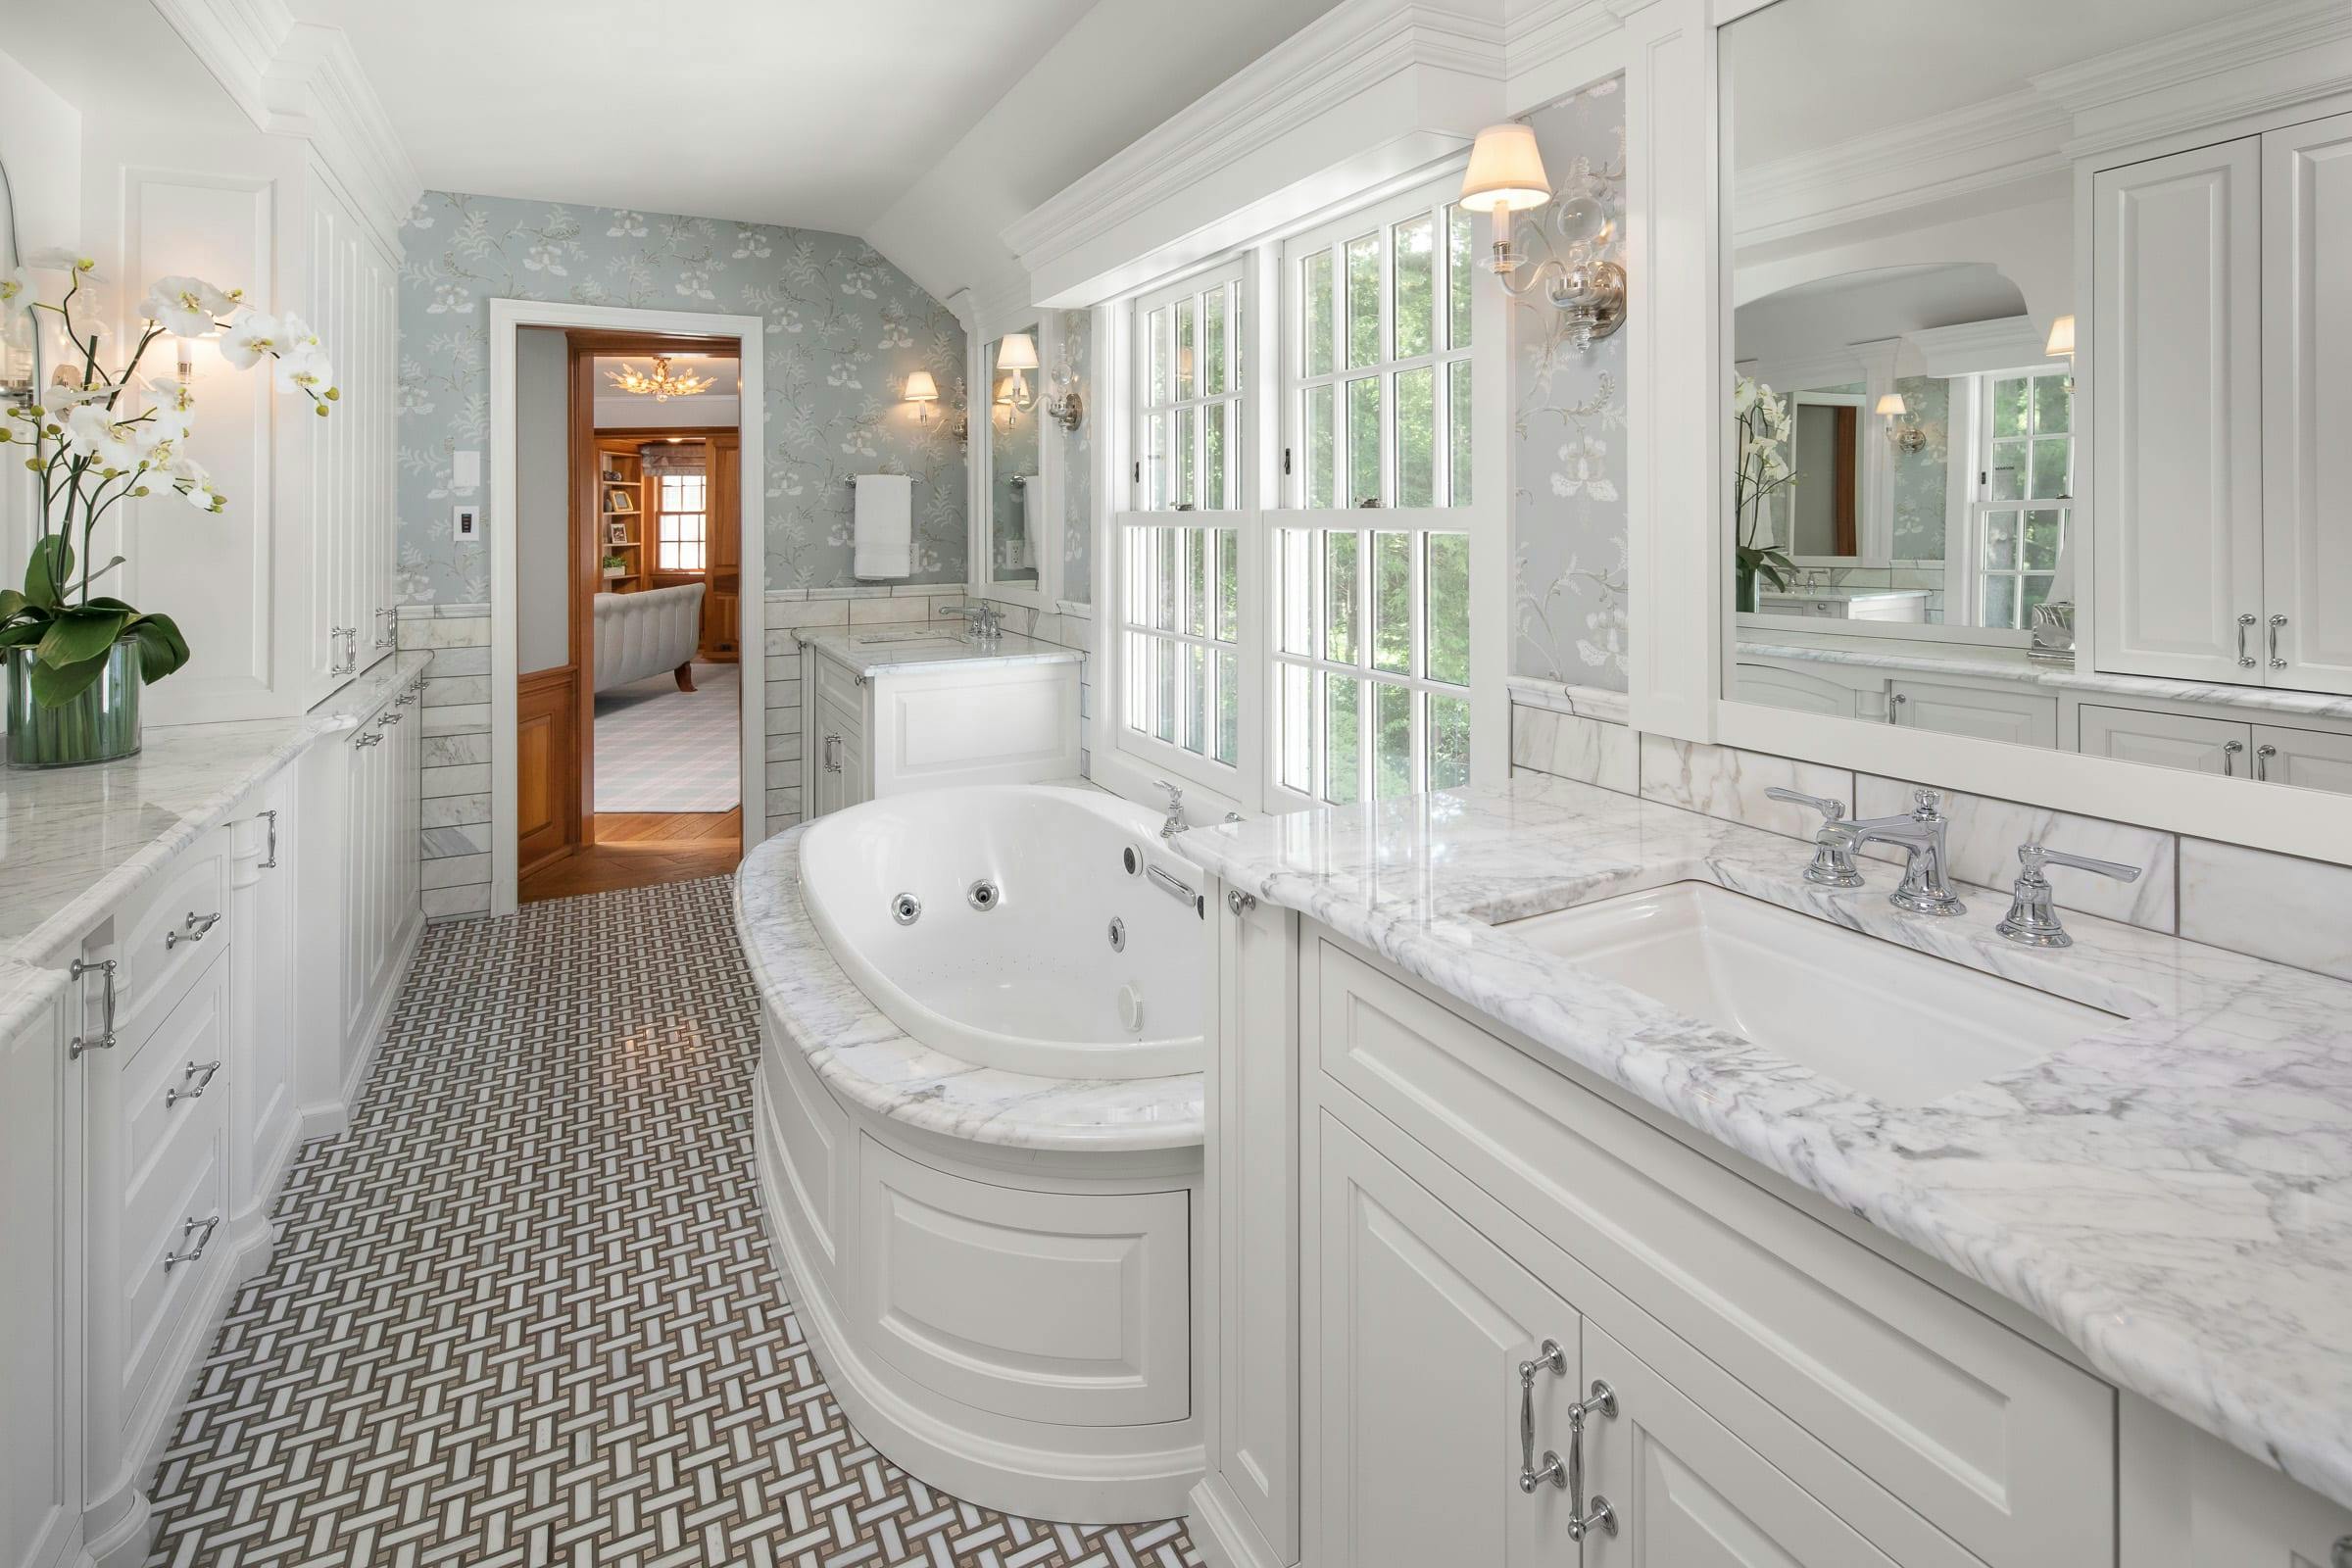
(1028, 927)
(993, 1267)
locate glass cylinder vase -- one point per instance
(99, 724)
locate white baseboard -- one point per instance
(1221, 1533)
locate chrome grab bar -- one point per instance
(1170, 886)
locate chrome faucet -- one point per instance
(1175, 818)
(1927, 886)
(1832, 860)
(986, 621)
(2032, 919)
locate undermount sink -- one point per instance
(1898, 1025)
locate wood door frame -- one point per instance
(610, 329)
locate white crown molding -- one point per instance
(1546, 31)
(1351, 52)
(2265, 58)
(1973, 348)
(302, 80)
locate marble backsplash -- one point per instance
(2275, 906)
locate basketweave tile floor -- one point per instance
(523, 1312)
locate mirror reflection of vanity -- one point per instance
(1012, 458)
(2041, 386)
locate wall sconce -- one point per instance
(1017, 355)
(1905, 432)
(1064, 407)
(1507, 176)
(923, 392)
(2060, 346)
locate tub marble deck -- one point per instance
(2174, 1195)
(873, 1063)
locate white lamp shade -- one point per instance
(2062, 338)
(1892, 406)
(920, 388)
(1016, 352)
(1506, 171)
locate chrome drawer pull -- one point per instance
(2229, 752)
(376, 738)
(179, 1091)
(2277, 623)
(2245, 661)
(194, 931)
(172, 1259)
(270, 862)
(2262, 761)
(106, 1038)
(1602, 1400)
(1548, 1358)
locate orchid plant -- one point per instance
(1763, 473)
(99, 437)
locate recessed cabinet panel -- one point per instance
(1425, 1324)
(2023, 718)
(2309, 759)
(2307, 405)
(2168, 740)
(2178, 404)
(40, 1290)
(1775, 687)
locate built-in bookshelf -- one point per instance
(622, 504)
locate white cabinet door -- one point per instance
(1773, 686)
(2178, 395)
(1685, 1491)
(265, 1110)
(1424, 1326)
(40, 1293)
(2190, 1501)
(2309, 759)
(2025, 717)
(2307, 405)
(2168, 740)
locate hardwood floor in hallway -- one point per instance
(641, 849)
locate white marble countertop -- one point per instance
(873, 1063)
(1842, 591)
(879, 649)
(75, 842)
(2173, 1194)
(1985, 662)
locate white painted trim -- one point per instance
(1973, 348)
(506, 316)
(304, 79)
(2248, 62)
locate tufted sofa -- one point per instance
(638, 635)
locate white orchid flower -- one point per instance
(58, 259)
(15, 294)
(251, 336)
(168, 422)
(189, 478)
(186, 307)
(304, 371)
(1745, 392)
(89, 433)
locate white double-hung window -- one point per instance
(1180, 563)
(1370, 580)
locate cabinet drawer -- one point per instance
(835, 684)
(174, 1215)
(169, 1090)
(2003, 1444)
(164, 941)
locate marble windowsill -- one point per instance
(878, 651)
(2166, 1194)
(874, 1064)
(1988, 663)
(75, 842)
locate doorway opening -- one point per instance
(629, 556)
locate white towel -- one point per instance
(885, 525)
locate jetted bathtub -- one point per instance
(1032, 928)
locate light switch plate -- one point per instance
(469, 521)
(465, 471)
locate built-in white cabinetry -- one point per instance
(40, 1290)
(892, 730)
(2025, 717)
(2191, 741)
(2223, 282)
(1499, 1261)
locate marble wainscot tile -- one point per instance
(2162, 1191)
(866, 1059)
(1984, 834)
(2276, 907)
(1581, 749)
(1730, 783)
(1585, 702)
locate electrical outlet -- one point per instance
(469, 521)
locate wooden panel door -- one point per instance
(2307, 405)
(1424, 1327)
(2167, 740)
(547, 762)
(2178, 378)
(1685, 1490)
(722, 599)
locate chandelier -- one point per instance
(662, 386)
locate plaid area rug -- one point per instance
(659, 749)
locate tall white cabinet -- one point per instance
(2223, 309)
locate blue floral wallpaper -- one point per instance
(845, 329)
(1569, 549)
(1078, 461)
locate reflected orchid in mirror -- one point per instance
(1762, 471)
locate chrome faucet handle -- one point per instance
(1175, 792)
(1832, 856)
(1926, 805)
(2033, 917)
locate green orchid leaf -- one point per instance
(162, 649)
(11, 604)
(47, 571)
(24, 633)
(55, 685)
(81, 633)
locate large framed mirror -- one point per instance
(2040, 343)
(1016, 519)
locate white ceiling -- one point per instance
(818, 116)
